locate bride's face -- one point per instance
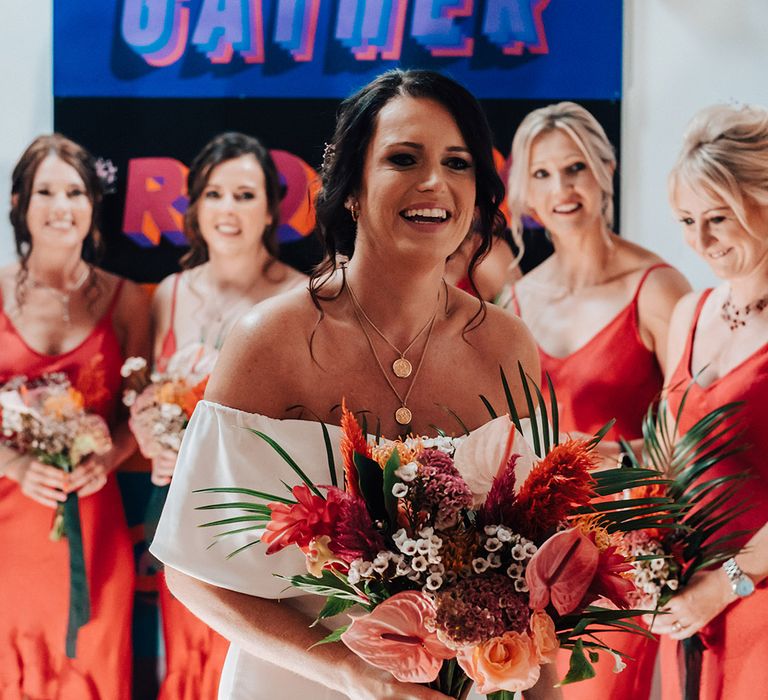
(418, 187)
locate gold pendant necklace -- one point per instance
(64, 296)
(401, 367)
(403, 415)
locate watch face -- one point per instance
(743, 586)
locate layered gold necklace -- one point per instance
(401, 367)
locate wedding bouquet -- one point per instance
(48, 418)
(470, 559)
(160, 406)
(667, 555)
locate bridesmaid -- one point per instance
(232, 264)
(719, 192)
(599, 309)
(59, 313)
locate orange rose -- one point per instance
(507, 663)
(544, 637)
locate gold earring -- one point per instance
(353, 206)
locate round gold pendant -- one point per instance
(403, 415)
(402, 368)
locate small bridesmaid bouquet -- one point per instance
(160, 406)
(668, 554)
(48, 418)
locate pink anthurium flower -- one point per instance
(394, 637)
(562, 571)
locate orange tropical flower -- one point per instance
(352, 440)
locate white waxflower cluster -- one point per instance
(501, 540)
(131, 365)
(418, 559)
(651, 576)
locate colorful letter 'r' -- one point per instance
(155, 201)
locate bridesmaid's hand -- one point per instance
(163, 466)
(40, 482)
(89, 476)
(702, 600)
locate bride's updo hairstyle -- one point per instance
(585, 131)
(344, 158)
(725, 154)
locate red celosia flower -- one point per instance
(555, 486)
(299, 523)
(500, 507)
(352, 440)
(353, 534)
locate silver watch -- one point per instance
(741, 583)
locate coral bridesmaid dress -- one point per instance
(194, 653)
(612, 376)
(34, 584)
(734, 660)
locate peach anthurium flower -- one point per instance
(509, 662)
(485, 452)
(562, 571)
(544, 637)
(394, 637)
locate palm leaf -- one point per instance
(288, 460)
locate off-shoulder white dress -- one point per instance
(218, 450)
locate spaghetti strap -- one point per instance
(694, 324)
(647, 272)
(115, 298)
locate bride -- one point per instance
(409, 170)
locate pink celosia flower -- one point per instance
(561, 571)
(482, 455)
(395, 638)
(301, 522)
(441, 489)
(509, 662)
(479, 608)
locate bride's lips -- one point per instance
(426, 214)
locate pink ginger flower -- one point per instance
(299, 523)
(394, 637)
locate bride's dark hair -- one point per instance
(342, 169)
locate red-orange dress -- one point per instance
(194, 653)
(612, 376)
(734, 661)
(34, 583)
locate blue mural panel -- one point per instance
(523, 49)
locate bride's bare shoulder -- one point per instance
(258, 363)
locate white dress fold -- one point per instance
(218, 450)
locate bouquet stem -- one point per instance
(452, 681)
